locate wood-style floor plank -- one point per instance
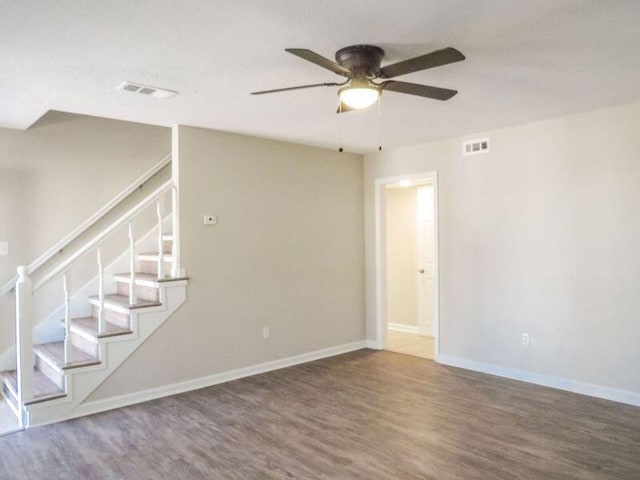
(364, 415)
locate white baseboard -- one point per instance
(97, 406)
(373, 344)
(599, 391)
(399, 327)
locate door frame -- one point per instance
(381, 257)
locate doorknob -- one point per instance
(421, 270)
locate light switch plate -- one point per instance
(210, 220)
(4, 249)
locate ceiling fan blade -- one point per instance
(343, 108)
(423, 62)
(297, 88)
(313, 57)
(420, 90)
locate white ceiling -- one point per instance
(526, 61)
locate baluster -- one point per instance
(132, 266)
(160, 212)
(101, 313)
(24, 340)
(66, 285)
(175, 218)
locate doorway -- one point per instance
(407, 273)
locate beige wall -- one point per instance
(287, 253)
(59, 172)
(539, 236)
(402, 256)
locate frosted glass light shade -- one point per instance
(359, 97)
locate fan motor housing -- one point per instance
(361, 60)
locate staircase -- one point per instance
(101, 324)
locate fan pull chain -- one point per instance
(340, 149)
(379, 123)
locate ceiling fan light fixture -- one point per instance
(359, 95)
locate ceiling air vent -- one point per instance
(147, 90)
(473, 147)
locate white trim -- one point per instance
(380, 333)
(203, 382)
(575, 386)
(399, 327)
(373, 345)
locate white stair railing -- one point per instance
(175, 250)
(24, 341)
(25, 289)
(160, 215)
(132, 266)
(67, 314)
(84, 226)
(101, 313)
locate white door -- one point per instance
(426, 259)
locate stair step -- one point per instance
(146, 279)
(89, 326)
(121, 302)
(153, 257)
(168, 237)
(53, 354)
(43, 388)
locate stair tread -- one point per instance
(54, 352)
(148, 277)
(90, 325)
(43, 388)
(123, 301)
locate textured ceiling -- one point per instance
(526, 61)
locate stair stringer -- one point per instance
(81, 382)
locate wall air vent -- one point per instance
(147, 90)
(474, 147)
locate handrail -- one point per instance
(98, 239)
(80, 229)
(7, 287)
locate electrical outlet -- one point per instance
(210, 220)
(4, 249)
(266, 332)
(525, 339)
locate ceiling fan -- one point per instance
(360, 64)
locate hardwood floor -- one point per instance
(364, 415)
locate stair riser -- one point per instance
(167, 245)
(85, 345)
(51, 373)
(142, 292)
(147, 266)
(117, 318)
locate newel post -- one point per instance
(24, 338)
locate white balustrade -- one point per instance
(25, 289)
(132, 266)
(24, 339)
(160, 213)
(175, 218)
(66, 285)
(101, 312)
